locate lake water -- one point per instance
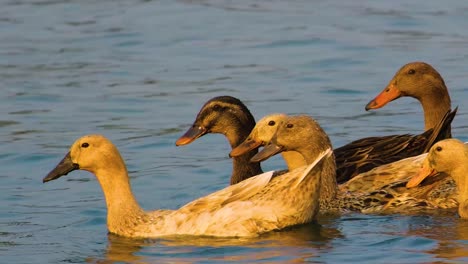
(139, 71)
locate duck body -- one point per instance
(259, 204)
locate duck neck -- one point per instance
(242, 168)
(328, 188)
(122, 207)
(435, 104)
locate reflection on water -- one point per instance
(451, 234)
(443, 237)
(295, 245)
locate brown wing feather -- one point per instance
(367, 153)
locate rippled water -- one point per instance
(139, 71)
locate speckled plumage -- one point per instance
(259, 204)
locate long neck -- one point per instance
(242, 168)
(328, 183)
(122, 208)
(435, 105)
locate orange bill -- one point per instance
(268, 151)
(244, 147)
(426, 171)
(389, 94)
(193, 133)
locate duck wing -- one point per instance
(367, 153)
(240, 191)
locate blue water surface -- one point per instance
(138, 71)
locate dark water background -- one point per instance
(139, 71)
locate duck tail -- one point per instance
(442, 130)
(314, 167)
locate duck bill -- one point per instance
(426, 171)
(65, 166)
(389, 94)
(246, 146)
(267, 152)
(193, 133)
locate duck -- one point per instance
(226, 115)
(356, 157)
(449, 157)
(303, 135)
(257, 205)
(421, 81)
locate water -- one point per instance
(139, 71)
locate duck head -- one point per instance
(261, 134)
(84, 154)
(300, 134)
(415, 79)
(216, 116)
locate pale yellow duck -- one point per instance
(449, 156)
(259, 204)
(304, 137)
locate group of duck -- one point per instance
(389, 174)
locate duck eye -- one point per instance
(85, 145)
(411, 71)
(289, 125)
(271, 123)
(217, 107)
(439, 149)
